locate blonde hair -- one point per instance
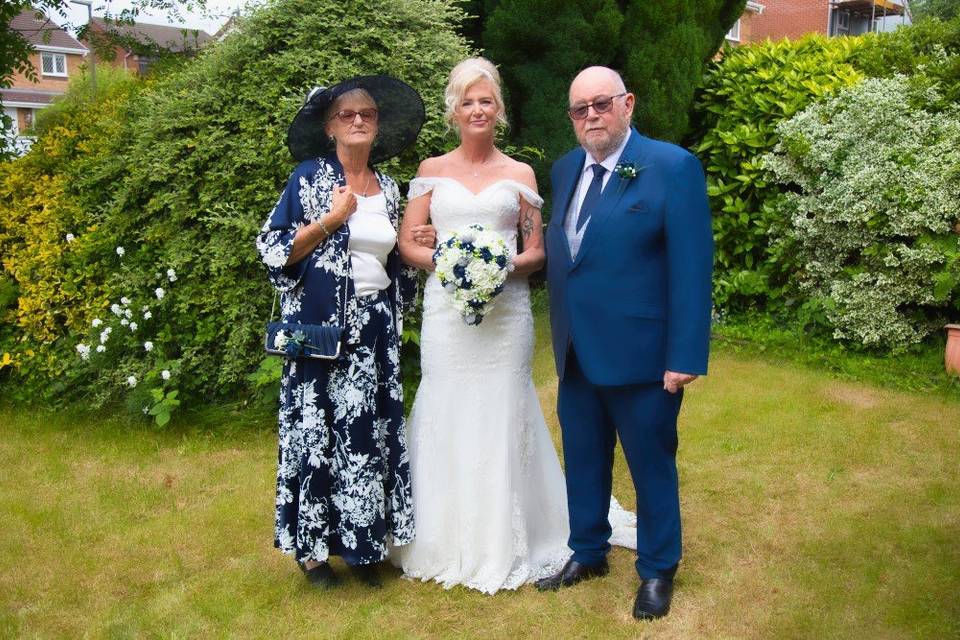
(463, 76)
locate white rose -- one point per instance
(121, 251)
(147, 315)
(83, 350)
(165, 374)
(101, 348)
(132, 381)
(70, 237)
(133, 326)
(171, 275)
(159, 293)
(124, 300)
(124, 322)
(115, 309)
(96, 322)
(148, 346)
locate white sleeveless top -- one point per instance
(372, 238)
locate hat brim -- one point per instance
(401, 115)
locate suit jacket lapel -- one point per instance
(611, 195)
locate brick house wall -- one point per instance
(48, 82)
(789, 19)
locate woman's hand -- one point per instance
(343, 205)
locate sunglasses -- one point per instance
(600, 105)
(347, 116)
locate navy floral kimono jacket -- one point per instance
(343, 480)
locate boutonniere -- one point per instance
(626, 170)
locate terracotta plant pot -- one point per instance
(951, 355)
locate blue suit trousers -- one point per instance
(644, 416)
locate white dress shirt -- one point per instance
(574, 237)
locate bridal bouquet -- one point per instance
(472, 266)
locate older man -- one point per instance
(630, 254)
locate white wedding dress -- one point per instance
(490, 505)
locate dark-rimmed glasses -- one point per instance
(600, 105)
(346, 116)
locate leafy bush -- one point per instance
(55, 261)
(194, 170)
(928, 52)
(744, 96)
(874, 210)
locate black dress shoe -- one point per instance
(368, 574)
(653, 599)
(572, 573)
(321, 576)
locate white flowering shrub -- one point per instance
(873, 211)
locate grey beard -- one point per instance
(601, 152)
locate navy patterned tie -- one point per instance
(593, 195)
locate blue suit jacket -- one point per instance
(636, 299)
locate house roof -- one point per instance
(175, 39)
(44, 32)
(12, 97)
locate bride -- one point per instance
(489, 495)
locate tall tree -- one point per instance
(539, 46)
(660, 46)
(666, 45)
(942, 9)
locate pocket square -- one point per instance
(639, 207)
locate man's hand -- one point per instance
(673, 381)
(424, 235)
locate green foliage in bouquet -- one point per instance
(874, 217)
(195, 167)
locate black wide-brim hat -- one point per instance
(400, 112)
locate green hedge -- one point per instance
(194, 167)
(745, 95)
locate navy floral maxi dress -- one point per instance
(343, 478)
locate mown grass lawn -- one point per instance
(812, 509)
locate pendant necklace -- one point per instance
(365, 186)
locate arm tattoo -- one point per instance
(526, 226)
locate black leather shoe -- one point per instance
(572, 573)
(321, 576)
(653, 599)
(368, 574)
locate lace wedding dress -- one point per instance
(490, 506)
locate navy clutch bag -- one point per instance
(315, 341)
(293, 340)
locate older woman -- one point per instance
(330, 245)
